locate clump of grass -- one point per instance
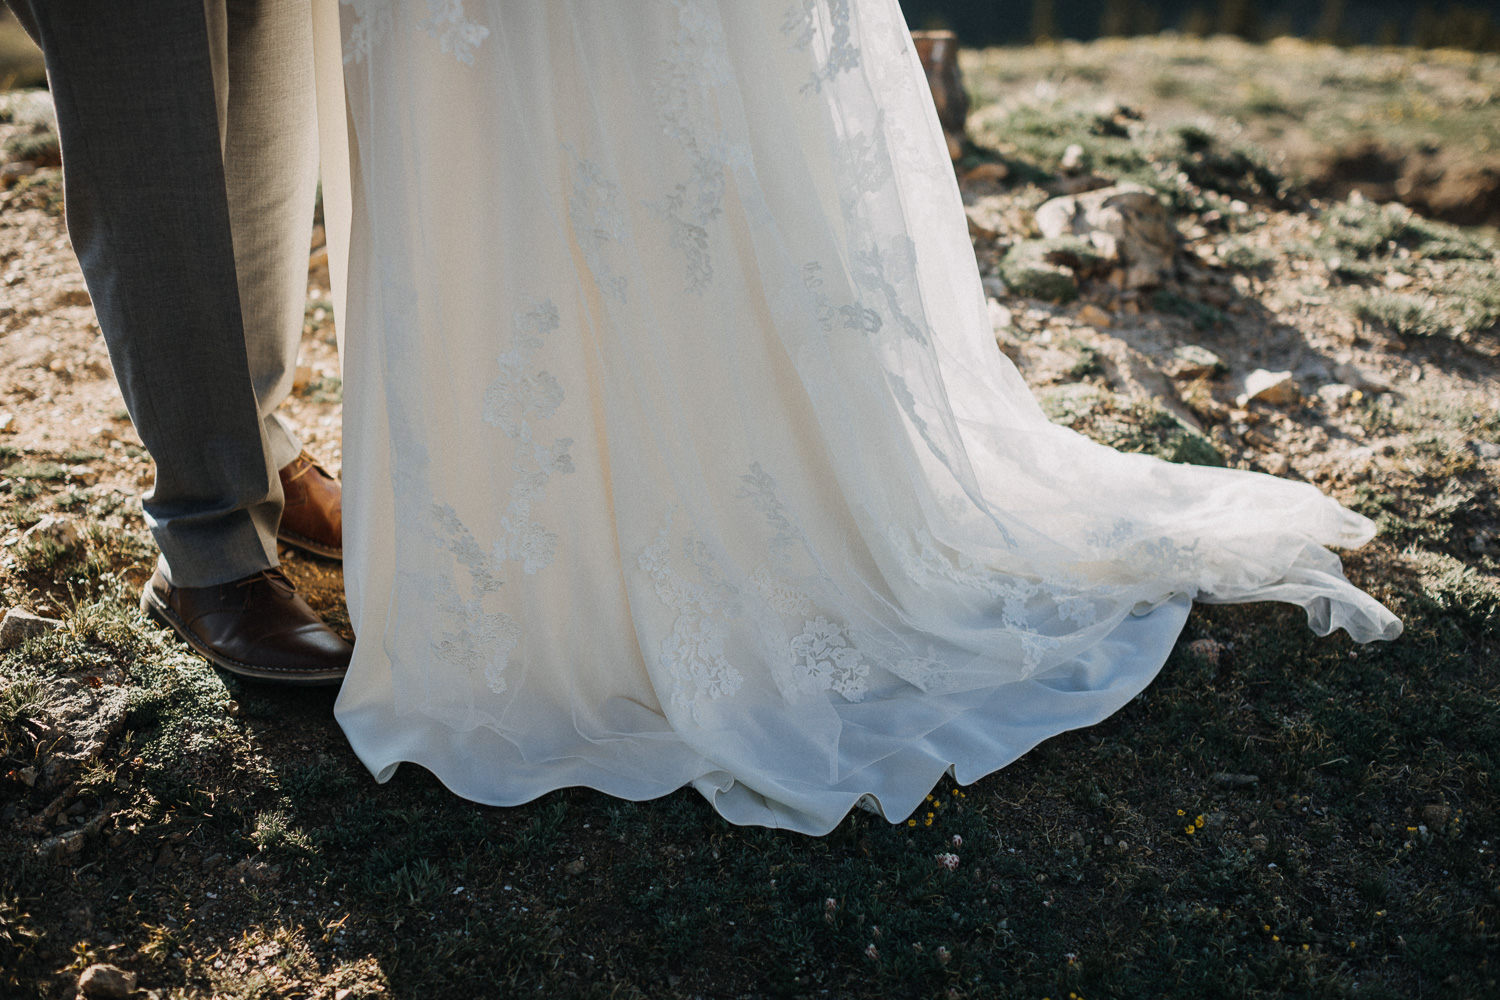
(76, 455)
(39, 555)
(1125, 424)
(44, 471)
(1089, 363)
(19, 937)
(20, 700)
(42, 190)
(1408, 315)
(1365, 230)
(1244, 256)
(1049, 269)
(1203, 316)
(38, 146)
(325, 389)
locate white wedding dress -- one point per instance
(678, 449)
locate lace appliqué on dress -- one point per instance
(521, 396)
(698, 62)
(453, 30)
(446, 22)
(821, 652)
(805, 20)
(693, 654)
(598, 222)
(828, 661)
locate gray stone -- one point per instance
(83, 719)
(1361, 378)
(61, 531)
(1126, 223)
(21, 624)
(1335, 394)
(1191, 362)
(1486, 449)
(107, 982)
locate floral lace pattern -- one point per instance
(517, 400)
(519, 396)
(806, 20)
(446, 22)
(828, 660)
(454, 32)
(822, 654)
(698, 61)
(598, 224)
(693, 654)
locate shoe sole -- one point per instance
(308, 545)
(165, 616)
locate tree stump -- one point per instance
(938, 51)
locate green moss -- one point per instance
(1131, 425)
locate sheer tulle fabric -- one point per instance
(677, 446)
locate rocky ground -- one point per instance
(1278, 815)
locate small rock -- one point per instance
(575, 867)
(1486, 449)
(7, 423)
(27, 775)
(19, 625)
(1436, 814)
(1275, 463)
(1396, 280)
(166, 855)
(1335, 394)
(995, 287)
(65, 847)
(1275, 388)
(108, 982)
(987, 173)
(71, 297)
(103, 434)
(1072, 159)
(1000, 315)
(12, 172)
(83, 475)
(1191, 362)
(60, 531)
(1091, 315)
(1361, 378)
(1226, 780)
(1125, 222)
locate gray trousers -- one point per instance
(190, 165)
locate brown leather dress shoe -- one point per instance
(257, 627)
(313, 518)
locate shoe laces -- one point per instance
(276, 578)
